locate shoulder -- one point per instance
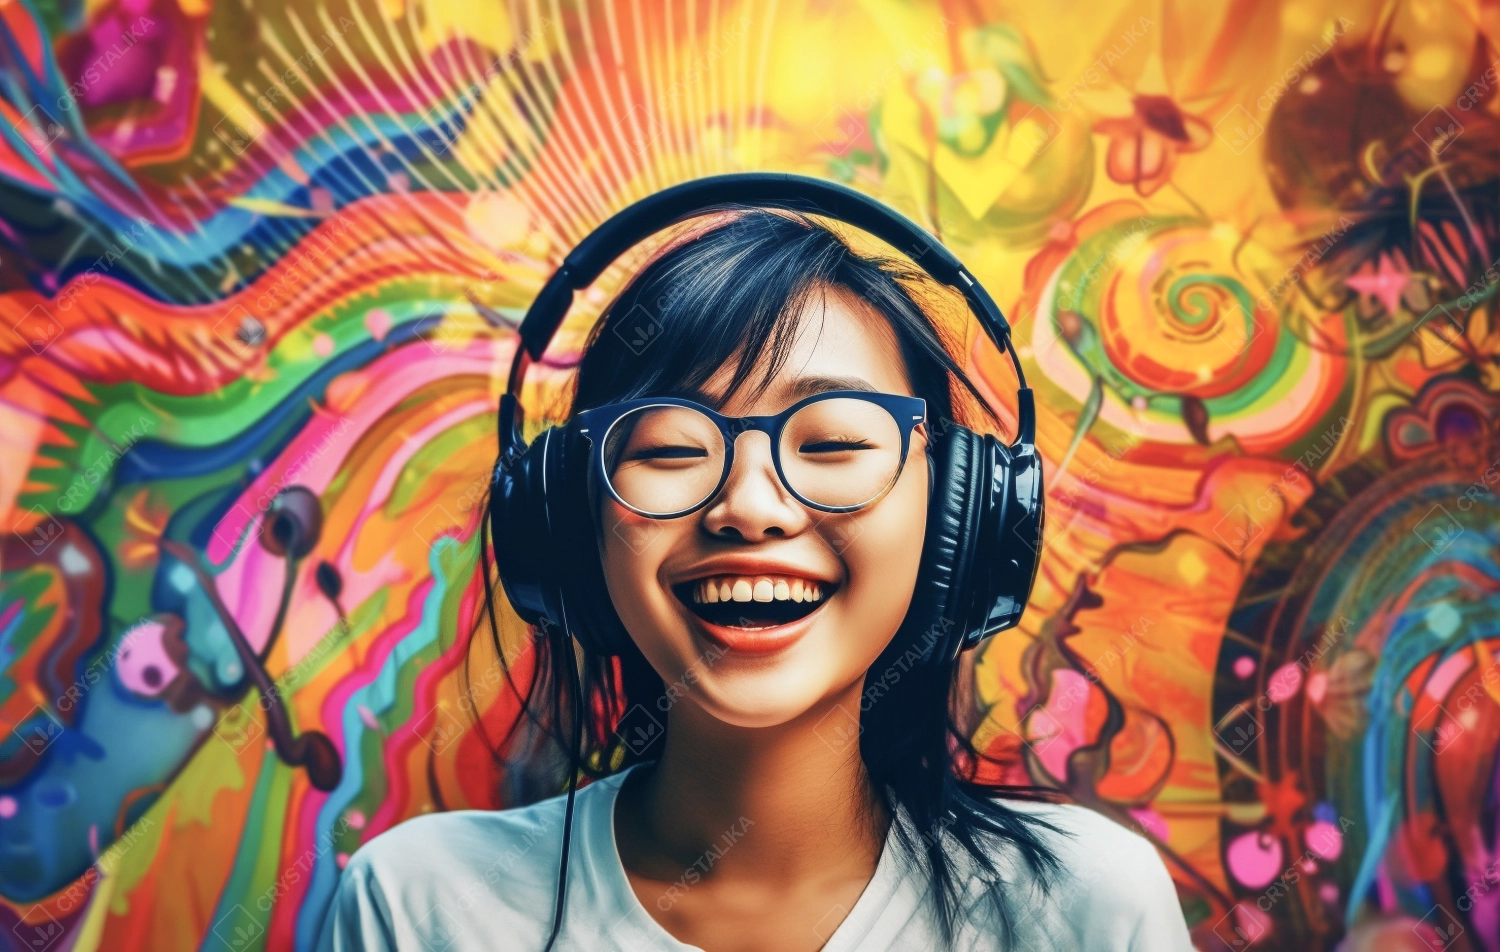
(1089, 841)
(463, 848)
(462, 872)
(1112, 890)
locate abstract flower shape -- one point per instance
(967, 107)
(1385, 281)
(1144, 146)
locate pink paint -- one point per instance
(400, 373)
(1057, 728)
(313, 460)
(1445, 675)
(357, 819)
(1384, 889)
(166, 84)
(1251, 923)
(1151, 821)
(289, 167)
(323, 346)
(1324, 840)
(1317, 686)
(1255, 859)
(1244, 667)
(7, 807)
(10, 614)
(378, 322)
(1329, 892)
(1285, 683)
(144, 667)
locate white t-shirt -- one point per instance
(486, 880)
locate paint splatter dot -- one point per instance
(1324, 840)
(1285, 683)
(1255, 859)
(1444, 620)
(378, 322)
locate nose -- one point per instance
(753, 504)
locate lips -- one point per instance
(761, 614)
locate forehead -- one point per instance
(842, 342)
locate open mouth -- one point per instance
(750, 602)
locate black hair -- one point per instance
(726, 294)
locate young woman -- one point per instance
(770, 768)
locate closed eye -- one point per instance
(834, 446)
(670, 452)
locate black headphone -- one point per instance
(984, 513)
(985, 510)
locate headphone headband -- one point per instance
(782, 190)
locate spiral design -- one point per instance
(1172, 315)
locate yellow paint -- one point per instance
(1192, 568)
(273, 208)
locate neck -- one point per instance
(764, 802)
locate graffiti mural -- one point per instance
(260, 268)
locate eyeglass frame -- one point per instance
(604, 418)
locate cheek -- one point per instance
(883, 556)
(631, 551)
(624, 548)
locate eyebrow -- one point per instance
(807, 386)
(797, 389)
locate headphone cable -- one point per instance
(562, 870)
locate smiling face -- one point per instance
(754, 541)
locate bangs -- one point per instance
(732, 296)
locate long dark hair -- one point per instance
(728, 292)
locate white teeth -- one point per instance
(759, 588)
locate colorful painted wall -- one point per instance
(261, 264)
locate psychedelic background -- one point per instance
(261, 265)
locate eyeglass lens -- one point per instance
(837, 452)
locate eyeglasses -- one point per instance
(836, 451)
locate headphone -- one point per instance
(985, 508)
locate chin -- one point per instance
(766, 675)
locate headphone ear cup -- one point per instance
(520, 533)
(579, 568)
(1009, 547)
(934, 622)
